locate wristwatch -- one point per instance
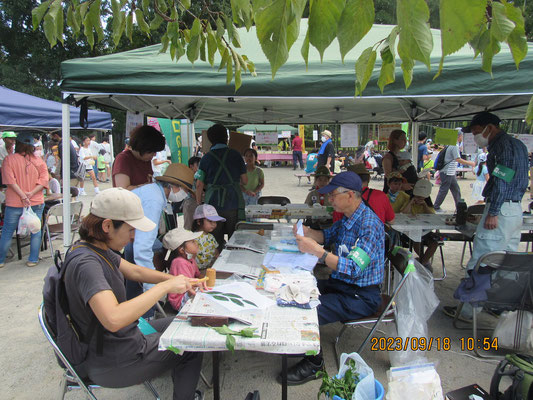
(322, 260)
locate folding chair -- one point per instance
(510, 287)
(387, 309)
(71, 380)
(53, 222)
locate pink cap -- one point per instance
(207, 211)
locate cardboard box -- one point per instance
(239, 141)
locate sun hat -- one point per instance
(9, 134)
(207, 211)
(422, 188)
(482, 119)
(121, 205)
(396, 175)
(326, 133)
(347, 179)
(482, 157)
(359, 169)
(176, 237)
(25, 137)
(178, 174)
(403, 155)
(322, 171)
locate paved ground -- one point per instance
(30, 370)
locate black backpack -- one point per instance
(518, 367)
(439, 162)
(65, 331)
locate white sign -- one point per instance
(315, 135)
(527, 140)
(349, 135)
(469, 144)
(249, 133)
(266, 138)
(285, 134)
(386, 129)
(132, 121)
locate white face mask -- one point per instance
(189, 256)
(176, 197)
(324, 139)
(480, 140)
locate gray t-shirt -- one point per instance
(452, 153)
(88, 274)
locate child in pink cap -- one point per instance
(205, 220)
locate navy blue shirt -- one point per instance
(422, 151)
(209, 167)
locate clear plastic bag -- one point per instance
(418, 382)
(515, 326)
(415, 303)
(365, 389)
(29, 222)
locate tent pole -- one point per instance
(112, 150)
(191, 136)
(65, 173)
(414, 142)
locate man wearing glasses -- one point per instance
(357, 261)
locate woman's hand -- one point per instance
(179, 284)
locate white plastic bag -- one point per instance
(418, 382)
(365, 389)
(415, 303)
(507, 330)
(29, 222)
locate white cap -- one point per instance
(176, 237)
(120, 204)
(207, 211)
(422, 188)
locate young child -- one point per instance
(482, 177)
(205, 221)
(420, 203)
(311, 164)
(322, 177)
(398, 198)
(256, 178)
(53, 184)
(102, 165)
(182, 248)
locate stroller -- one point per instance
(379, 168)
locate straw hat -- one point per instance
(178, 174)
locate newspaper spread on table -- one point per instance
(282, 330)
(416, 226)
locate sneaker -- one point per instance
(451, 311)
(82, 192)
(198, 395)
(440, 211)
(31, 264)
(2, 265)
(96, 190)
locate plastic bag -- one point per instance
(415, 303)
(365, 389)
(29, 222)
(419, 382)
(508, 329)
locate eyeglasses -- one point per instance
(333, 195)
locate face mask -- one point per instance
(189, 256)
(324, 139)
(176, 197)
(480, 140)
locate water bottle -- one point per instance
(461, 212)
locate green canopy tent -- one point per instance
(144, 80)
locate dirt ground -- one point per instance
(30, 370)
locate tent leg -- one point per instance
(66, 173)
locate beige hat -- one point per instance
(359, 169)
(121, 205)
(422, 188)
(326, 133)
(178, 174)
(176, 237)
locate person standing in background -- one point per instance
(159, 161)
(326, 154)
(7, 146)
(297, 152)
(423, 153)
(89, 160)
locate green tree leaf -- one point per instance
(305, 50)
(88, 30)
(186, 4)
(529, 113)
(193, 49)
(364, 66)
(324, 16)
(211, 47)
(72, 21)
(143, 25)
(407, 68)
(490, 51)
(272, 19)
(238, 83)
(416, 41)
(517, 38)
(220, 27)
(501, 26)
(37, 13)
(230, 343)
(355, 22)
(242, 12)
(94, 15)
(480, 41)
(388, 60)
(51, 21)
(229, 71)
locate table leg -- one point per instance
(284, 377)
(216, 375)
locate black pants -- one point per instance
(148, 365)
(297, 157)
(225, 227)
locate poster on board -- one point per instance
(386, 129)
(266, 138)
(132, 121)
(469, 144)
(349, 135)
(527, 140)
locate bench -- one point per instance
(300, 176)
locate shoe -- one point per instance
(198, 395)
(2, 265)
(302, 372)
(96, 190)
(31, 264)
(440, 211)
(451, 311)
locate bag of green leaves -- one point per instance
(355, 380)
(518, 367)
